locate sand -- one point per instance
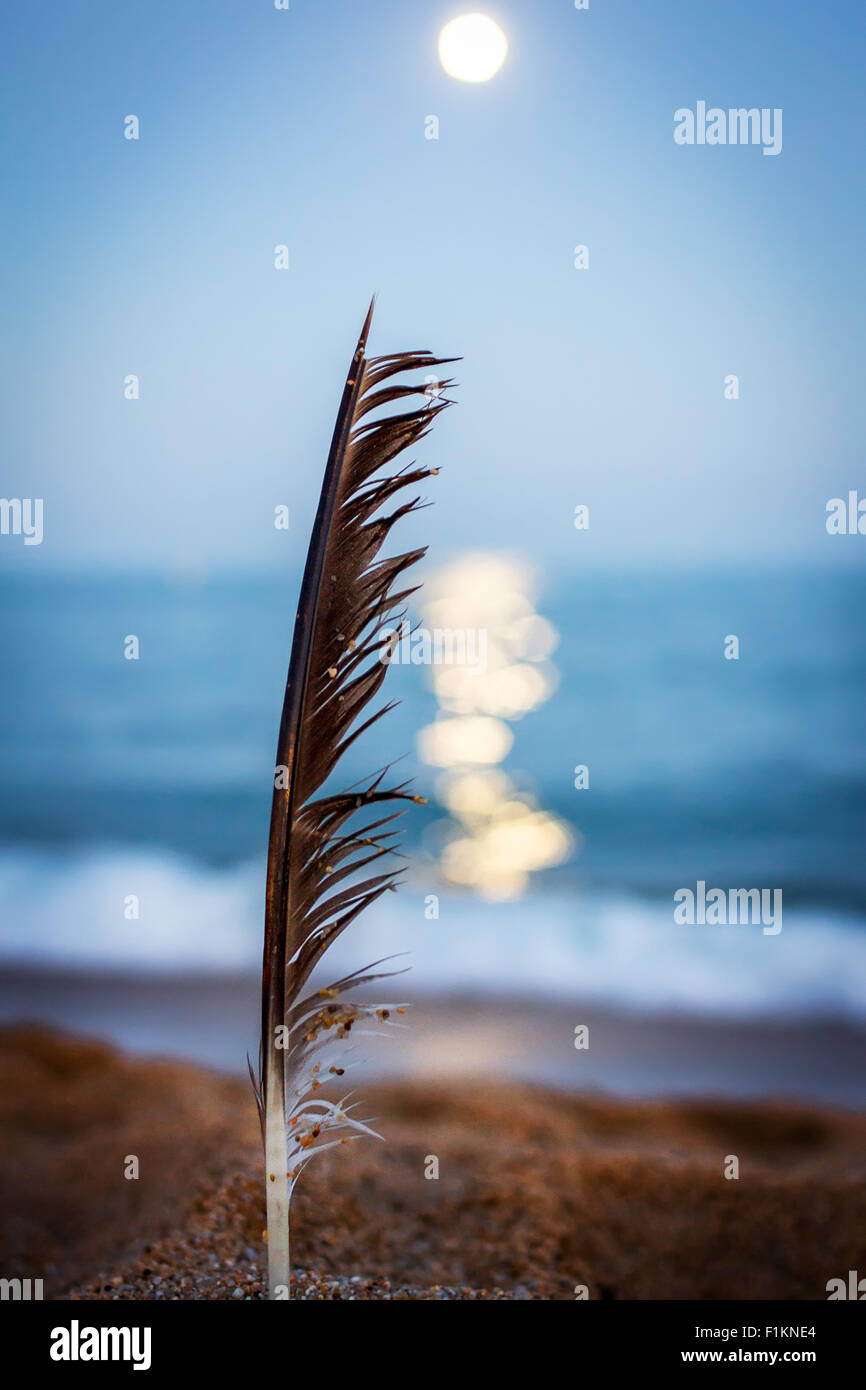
(538, 1191)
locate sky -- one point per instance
(601, 387)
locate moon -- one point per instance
(472, 48)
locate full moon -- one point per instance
(472, 48)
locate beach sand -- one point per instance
(538, 1190)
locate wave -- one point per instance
(70, 911)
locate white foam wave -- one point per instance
(69, 910)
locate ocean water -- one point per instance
(153, 778)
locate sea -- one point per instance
(149, 780)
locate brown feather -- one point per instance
(348, 595)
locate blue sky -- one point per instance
(602, 387)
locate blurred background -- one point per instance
(136, 793)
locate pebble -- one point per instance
(307, 1285)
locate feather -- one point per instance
(323, 867)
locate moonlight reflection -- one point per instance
(497, 835)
